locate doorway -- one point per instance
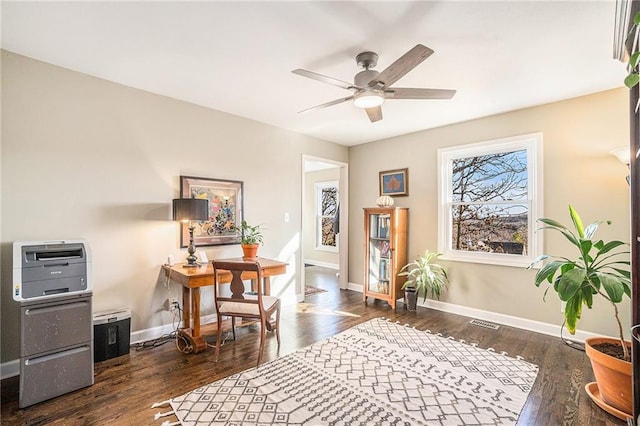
(320, 178)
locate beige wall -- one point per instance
(578, 169)
(86, 158)
(312, 255)
(83, 157)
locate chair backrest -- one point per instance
(250, 270)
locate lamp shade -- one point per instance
(368, 99)
(623, 154)
(190, 209)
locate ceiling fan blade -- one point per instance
(324, 79)
(328, 104)
(375, 113)
(411, 93)
(401, 66)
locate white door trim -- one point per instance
(343, 236)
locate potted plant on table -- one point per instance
(595, 272)
(424, 276)
(250, 239)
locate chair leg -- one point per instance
(233, 327)
(263, 330)
(278, 325)
(218, 338)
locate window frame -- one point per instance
(533, 144)
(319, 186)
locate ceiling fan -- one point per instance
(370, 88)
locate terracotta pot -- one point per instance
(613, 375)
(250, 251)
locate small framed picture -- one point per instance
(394, 182)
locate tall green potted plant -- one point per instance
(424, 277)
(597, 271)
(633, 78)
(250, 238)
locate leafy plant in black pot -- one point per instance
(424, 277)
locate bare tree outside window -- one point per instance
(326, 210)
(489, 207)
(489, 195)
(329, 206)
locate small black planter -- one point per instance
(411, 299)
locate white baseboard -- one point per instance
(323, 264)
(354, 287)
(508, 320)
(9, 369)
(150, 333)
(12, 368)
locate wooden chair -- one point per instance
(239, 305)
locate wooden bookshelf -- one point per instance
(385, 253)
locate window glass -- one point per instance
(326, 210)
(489, 201)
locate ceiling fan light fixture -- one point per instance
(368, 99)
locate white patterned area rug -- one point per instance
(376, 373)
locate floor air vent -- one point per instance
(484, 324)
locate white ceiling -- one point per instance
(237, 57)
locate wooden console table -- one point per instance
(192, 279)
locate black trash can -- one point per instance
(111, 334)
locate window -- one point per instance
(490, 195)
(326, 208)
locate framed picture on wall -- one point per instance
(225, 210)
(394, 182)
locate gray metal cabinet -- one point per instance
(56, 351)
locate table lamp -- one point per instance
(188, 210)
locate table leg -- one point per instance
(186, 307)
(267, 286)
(191, 333)
(195, 306)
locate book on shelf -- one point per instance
(383, 287)
(383, 272)
(384, 221)
(384, 248)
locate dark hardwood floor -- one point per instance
(126, 387)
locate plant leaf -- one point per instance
(564, 231)
(626, 274)
(547, 272)
(633, 59)
(572, 313)
(585, 248)
(577, 222)
(632, 80)
(537, 260)
(570, 282)
(591, 229)
(587, 296)
(614, 288)
(610, 246)
(552, 222)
